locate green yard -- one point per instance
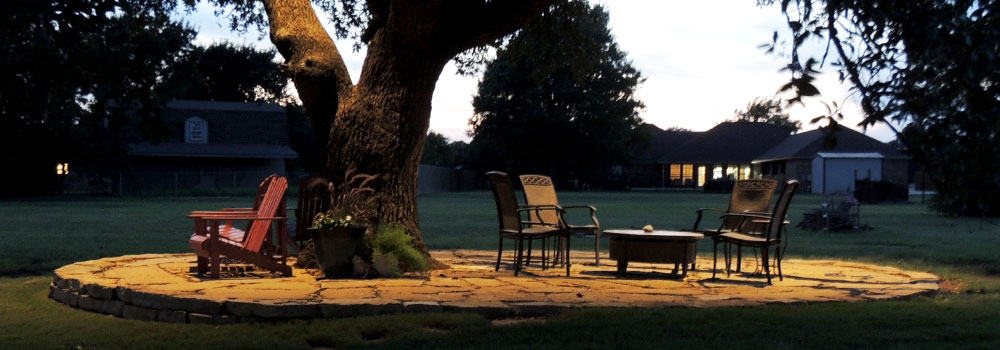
(42, 234)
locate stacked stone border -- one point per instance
(135, 305)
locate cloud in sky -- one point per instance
(701, 60)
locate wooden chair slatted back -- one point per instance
(749, 195)
(781, 211)
(503, 196)
(269, 207)
(314, 198)
(539, 190)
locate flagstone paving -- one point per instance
(162, 287)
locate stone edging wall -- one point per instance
(134, 305)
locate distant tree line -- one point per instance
(82, 79)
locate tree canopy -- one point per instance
(931, 65)
(762, 110)
(80, 79)
(558, 99)
(227, 72)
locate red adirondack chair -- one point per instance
(211, 240)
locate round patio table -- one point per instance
(658, 246)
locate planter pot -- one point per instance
(336, 247)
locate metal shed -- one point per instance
(837, 172)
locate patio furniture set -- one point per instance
(745, 223)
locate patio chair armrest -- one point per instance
(701, 212)
(593, 213)
(236, 209)
(541, 207)
(747, 215)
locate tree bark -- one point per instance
(378, 126)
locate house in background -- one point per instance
(744, 150)
(212, 145)
(690, 159)
(832, 165)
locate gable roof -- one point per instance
(728, 142)
(662, 142)
(807, 144)
(225, 106)
(217, 150)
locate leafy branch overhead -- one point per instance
(930, 66)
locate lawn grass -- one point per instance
(41, 234)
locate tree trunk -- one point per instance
(380, 129)
(378, 126)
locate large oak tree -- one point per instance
(377, 124)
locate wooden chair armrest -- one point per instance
(747, 215)
(236, 209)
(762, 221)
(200, 213)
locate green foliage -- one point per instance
(80, 81)
(933, 66)
(762, 110)
(438, 151)
(558, 99)
(227, 72)
(393, 251)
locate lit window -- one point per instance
(195, 130)
(731, 172)
(62, 168)
(716, 172)
(675, 172)
(687, 173)
(701, 175)
(746, 172)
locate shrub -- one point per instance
(393, 252)
(867, 191)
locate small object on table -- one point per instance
(677, 247)
(647, 228)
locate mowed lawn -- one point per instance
(39, 235)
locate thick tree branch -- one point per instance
(477, 23)
(312, 60)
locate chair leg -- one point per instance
(777, 258)
(527, 262)
(767, 266)
(202, 265)
(597, 247)
(499, 252)
(567, 255)
(518, 254)
(715, 256)
(729, 253)
(739, 258)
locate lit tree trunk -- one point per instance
(378, 126)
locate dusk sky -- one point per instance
(701, 60)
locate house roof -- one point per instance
(225, 106)
(865, 155)
(728, 142)
(805, 146)
(662, 142)
(212, 150)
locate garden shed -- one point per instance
(837, 171)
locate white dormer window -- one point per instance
(195, 130)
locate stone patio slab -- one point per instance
(163, 287)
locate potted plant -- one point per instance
(339, 234)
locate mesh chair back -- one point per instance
(538, 190)
(749, 195)
(503, 196)
(781, 211)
